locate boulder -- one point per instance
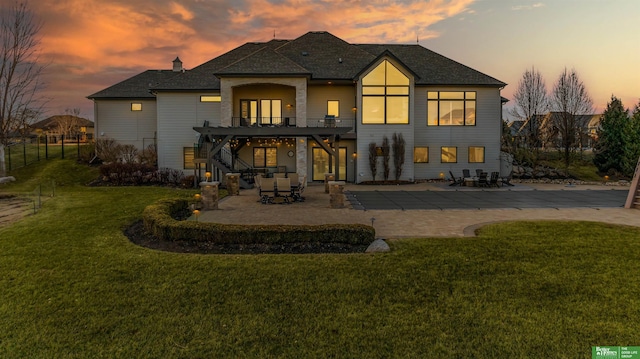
(379, 245)
(7, 179)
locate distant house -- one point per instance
(586, 127)
(72, 127)
(310, 105)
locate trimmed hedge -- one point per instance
(159, 220)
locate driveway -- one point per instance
(407, 200)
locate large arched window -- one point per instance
(385, 96)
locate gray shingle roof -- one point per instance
(135, 87)
(265, 61)
(319, 55)
(52, 122)
(433, 68)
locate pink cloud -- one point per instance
(87, 38)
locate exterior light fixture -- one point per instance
(207, 175)
(196, 214)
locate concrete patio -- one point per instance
(596, 203)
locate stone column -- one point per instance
(209, 192)
(336, 194)
(328, 177)
(233, 184)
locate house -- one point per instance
(73, 127)
(310, 105)
(584, 126)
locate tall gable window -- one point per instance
(385, 96)
(451, 108)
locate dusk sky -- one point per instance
(89, 45)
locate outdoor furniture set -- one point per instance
(481, 179)
(281, 188)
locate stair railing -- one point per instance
(633, 189)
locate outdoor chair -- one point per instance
(267, 190)
(296, 192)
(279, 175)
(283, 188)
(482, 180)
(493, 180)
(479, 171)
(295, 178)
(466, 173)
(456, 181)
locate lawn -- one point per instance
(72, 285)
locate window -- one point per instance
(476, 154)
(265, 157)
(449, 154)
(271, 111)
(449, 108)
(188, 154)
(207, 98)
(385, 96)
(136, 106)
(333, 108)
(420, 154)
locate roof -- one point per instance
(317, 55)
(135, 87)
(52, 122)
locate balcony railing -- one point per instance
(291, 122)
(263, 121)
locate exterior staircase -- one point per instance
(633, 199)
(223, 161)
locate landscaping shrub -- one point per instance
(159, 220)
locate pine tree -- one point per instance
(610, 148)
(632, 142)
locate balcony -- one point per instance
(327, 122)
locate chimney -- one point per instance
(177, 65)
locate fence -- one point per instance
(42, 191)
(32, 150)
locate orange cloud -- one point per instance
(102, 42)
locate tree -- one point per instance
(609, 150)
(385, 158)
(398, 146)
(570, 100)
(632, 139)
(19, 72)
(373, 159)
(69, 124)
(530, 104)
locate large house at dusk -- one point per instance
(307, 104)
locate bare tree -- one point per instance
(530, 104)
(398, 153)
(19, 72)
(373, 159)
(386, 153)
(570, 101)
(69, 124)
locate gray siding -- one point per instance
(114, 119)
(318, 96)
(178, 114)
(485, 133)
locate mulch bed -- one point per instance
(139, 236)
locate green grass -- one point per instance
(71, 285)
(581, 166)
(17, 155)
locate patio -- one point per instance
(435, 222)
